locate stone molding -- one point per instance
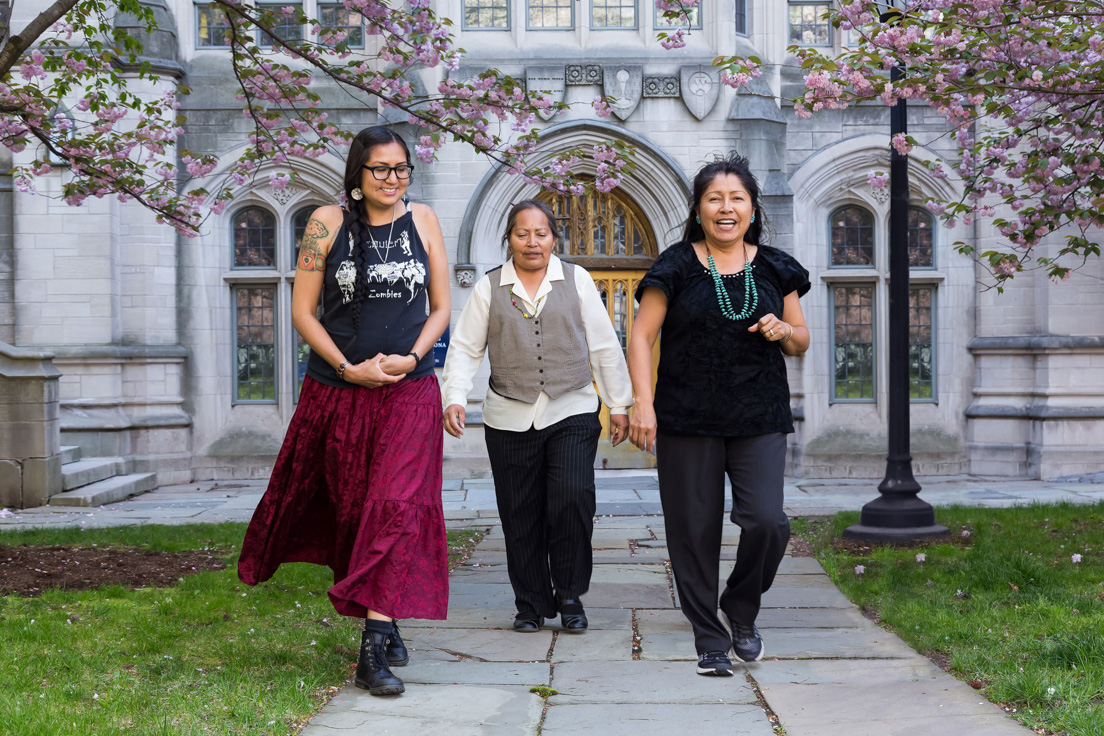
(18, 362)
(1035, 343)
(118, 351)
(1035, 412)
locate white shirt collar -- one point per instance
(509, 277)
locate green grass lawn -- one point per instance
(1004, 606)
(208, 656)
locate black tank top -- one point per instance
(394, 307)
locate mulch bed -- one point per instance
(958, 536)
(28, 571)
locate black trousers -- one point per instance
(691, 487)
(544, 483)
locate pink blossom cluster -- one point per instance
(1021, 86)
(114, 142)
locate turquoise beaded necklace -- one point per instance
(751, 293)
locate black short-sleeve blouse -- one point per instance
(715, 377)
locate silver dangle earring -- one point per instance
(357, 194)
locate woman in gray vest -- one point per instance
(549, 339)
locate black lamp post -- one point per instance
(898, 514)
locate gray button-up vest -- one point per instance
(545, 353)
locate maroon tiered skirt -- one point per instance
(357, 487)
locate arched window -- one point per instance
(254, 238)
(921, 239)
(270, 357)
(852, 237)
(602, 229)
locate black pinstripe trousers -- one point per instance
(691, 488)
(544, 483)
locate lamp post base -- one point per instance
(896, 517)
(866, 533)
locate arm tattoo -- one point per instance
(311, 257)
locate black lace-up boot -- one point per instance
(397, 654)
(373, 673)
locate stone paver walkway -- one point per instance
(828, 672)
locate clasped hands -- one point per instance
(380, 370)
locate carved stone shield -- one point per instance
(548, 79)
(701, 85)
(625, 83)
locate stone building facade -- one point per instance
(178, 354)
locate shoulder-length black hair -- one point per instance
(735, 164)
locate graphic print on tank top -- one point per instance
(410, 273)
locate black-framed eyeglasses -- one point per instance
(380, 173)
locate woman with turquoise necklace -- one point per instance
(728, 307)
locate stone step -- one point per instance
(107, 491)
(82, 472)
(70, 454)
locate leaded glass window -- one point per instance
(853, 343)
(254, 238)
(212, 25)
(661, 22)
(921, 344)
(613, 13)
(601, 224)
(852, 237)
(287, 28)
(336, 17)
(921, 239)
(808, 24)
(487, 14)
(741, 17)
(298, 227)
(551, 14)
(255, 343)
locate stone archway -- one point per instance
(657, 186)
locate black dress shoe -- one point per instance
(397, 655)
(528, 622)
(572, 616)
(373, 673)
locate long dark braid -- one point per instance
(359, 152)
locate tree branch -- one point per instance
(20, 42)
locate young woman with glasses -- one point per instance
(357, 483)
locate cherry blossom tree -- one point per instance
(67, 89)
(1021, 86)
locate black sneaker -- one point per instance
(714, 664)
(747, 645)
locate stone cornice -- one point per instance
(1035, 343)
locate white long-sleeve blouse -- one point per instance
(468, 345)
